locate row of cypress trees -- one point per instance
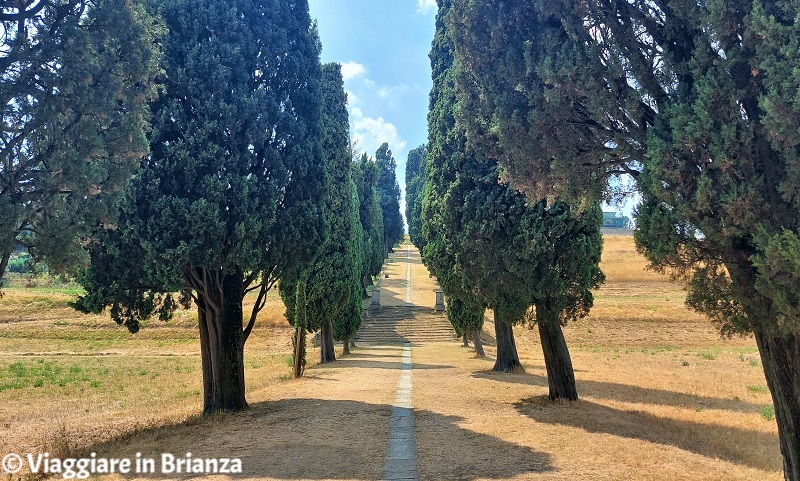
(249, 183)
(490, 247)
(697, 103)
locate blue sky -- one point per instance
(383, 47)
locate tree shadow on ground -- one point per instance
(315, 439)
(395, 365)
(630, 393)
(357, 352)
(724, 442)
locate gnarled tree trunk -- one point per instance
(222, 345)
(345, 346)
(464, 341)
(507, 357)
(780, 357)
(560, 375)
(476, 342)
(327, 347)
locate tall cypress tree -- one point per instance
(389, 195)
(698, 103)
(511, 254)
(225, 203)
(75, 81)
(348, 320)
(415, 184)
(365, 175)
(336, 272)
(465, 308)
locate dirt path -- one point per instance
(652, 412)
(408, 283)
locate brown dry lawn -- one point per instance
(662, 396)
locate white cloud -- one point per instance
(352, 70)
(392, 91)
(370, 133)
(426, 6)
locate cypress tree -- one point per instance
(698, 103)
(337, 270)
(75, 80)
(365, 175)
(511, 253)
(465, 308)
(389, 196)
(347, 322)
(225, 203)
(415, 183)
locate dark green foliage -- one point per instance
(365, 175)
(465, 308)
(75, 79)
(225, 204)
(336, 273)
(698, 102)
(465, 314)
(389, 196)
(490, 242)
(415, 183)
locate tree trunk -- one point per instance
(464, 342)
(4, 258)
(205, 357)
(299, 339)
(364, 285)
(327, 347)
(352, 342)
(476, 341)
(560, 375)
(222, 346)
(780, 357)
(507, 357)
(346, 346)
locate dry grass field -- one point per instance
(662, 396)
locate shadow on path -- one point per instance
(315, 439)
(715, 441)
(628, 393)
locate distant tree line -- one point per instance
(177, 152)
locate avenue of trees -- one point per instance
(179, 152)
(190, 152)
(697, 103)
(389, 197)
(490, 247)
(415, 182)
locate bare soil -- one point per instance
(662, 395)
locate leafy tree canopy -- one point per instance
(415, 183)
(389, 195)
(75, 79)
(226, 202)
(336, 273)
(485, 236)
(698, 102)
(365, 175)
